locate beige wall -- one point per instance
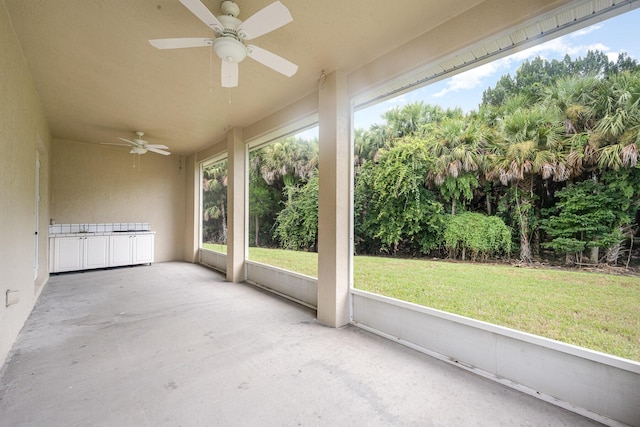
(23, 131)
(92, 183)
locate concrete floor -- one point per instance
(174, 344)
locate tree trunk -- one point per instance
(535, 244)
(525, 248)
(569, 259)
(613, 253)
(595, 255)
(453, 206)
(525, 245)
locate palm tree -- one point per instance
(618, 132)
(367, 144)
(214, 185)
(575, 98)
(412, 119)
(458, 146)
(288, 159)
(532, 143)
(282, 165)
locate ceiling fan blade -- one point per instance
(200, 10)
(130, 142)
(157, 150)
(229, 74)
(119, 144)
(266, 20)
(163, 147)
(272, 60)
(180, 43)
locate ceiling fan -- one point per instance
(231, 34)
(140, 146)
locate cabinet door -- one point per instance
(96, 251)
(68, 253)
(142, 249)
(120, 250)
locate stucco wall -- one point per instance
(23, 131)
(93, 183)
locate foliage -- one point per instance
(591, 213)
(584, 218)
(526, 156)
(264, 202)
(214, 202)
(276, 172)
(398, 210)
(533, 76)
(297, 223)
(476, 234)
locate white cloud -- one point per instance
(469, 79)
(613, 56)
(585, 31)
(557, 48)
(598, 46)
(553, 48)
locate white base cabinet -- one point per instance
(80, 253)
(74, 253)
(130, 249)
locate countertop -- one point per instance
(102, 233)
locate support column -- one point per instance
(236, 175)
(192, 200)
(333, 201)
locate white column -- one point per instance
(192, 199)
(236, 175)
(333, 201)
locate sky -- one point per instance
(464, 90)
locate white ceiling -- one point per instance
(98, 78)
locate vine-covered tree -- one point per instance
(395, 207)
(297, 223)
(480, 236)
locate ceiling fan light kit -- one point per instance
(137, 150)
(229, 49)
(231, 34)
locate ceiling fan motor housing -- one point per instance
(229, 8)
(228, 47)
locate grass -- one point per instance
(592, 310)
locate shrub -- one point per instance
(478, 235)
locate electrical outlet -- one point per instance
(12, 297)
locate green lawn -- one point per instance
(592, 310)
